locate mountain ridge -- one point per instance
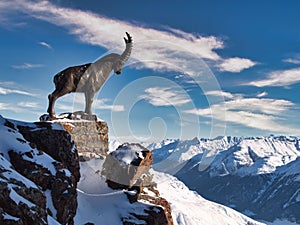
(258, 176)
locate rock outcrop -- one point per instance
(39, 172)
(89, 133)
(128, 168)
(91, 137)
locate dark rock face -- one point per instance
(56, 143)
(128, 168)
(13, 212)
(40, 168)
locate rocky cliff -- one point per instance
(39, 171)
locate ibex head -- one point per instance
(125, 55)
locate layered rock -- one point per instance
(91, 137)
(39, 172)
(89, 133)
(128, 168)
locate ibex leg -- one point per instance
(52, 99)
(89, 97)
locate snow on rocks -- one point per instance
(100, 204)
(125, 166)
(36, 157)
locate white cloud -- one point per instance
(279, 78)
(153, 48)
(159, 96)
(4, 106)
(11, 107)
(5, 91)
(45, 44)
(291, 60)
(220, 94)
(30, 105)
(76, 102)
(259, 113)
(262, 94)
(236, 64)
(261, 105)
(27, 66)
(102, 104)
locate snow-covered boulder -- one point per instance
(127, 166)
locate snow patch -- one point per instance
(18, 198)
(12, 174)
(52, 221)
(189, 208)
(128, 153)
(49, 203)
(99, 204)
(9, 217)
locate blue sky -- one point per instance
(203, 68)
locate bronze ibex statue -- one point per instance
(88, 78)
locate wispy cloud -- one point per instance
(262, 94)
(24, 108)
(6, 91)
(152, 47)
(27, 66)
(76, 102)
(259, 113)
(4, 106)
(279, 78)
(30, 105)
(292, 60)
(236, 64)
(45, 44)
(221, 94)
(102, 104)
(160, 96)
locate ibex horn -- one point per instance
(129, 38)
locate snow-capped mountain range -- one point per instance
(258, 176)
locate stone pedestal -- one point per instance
(90, 137)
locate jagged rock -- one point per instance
(56, 143)
(158, 211)
(39, 168)
(13, 190)
(126, 166)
